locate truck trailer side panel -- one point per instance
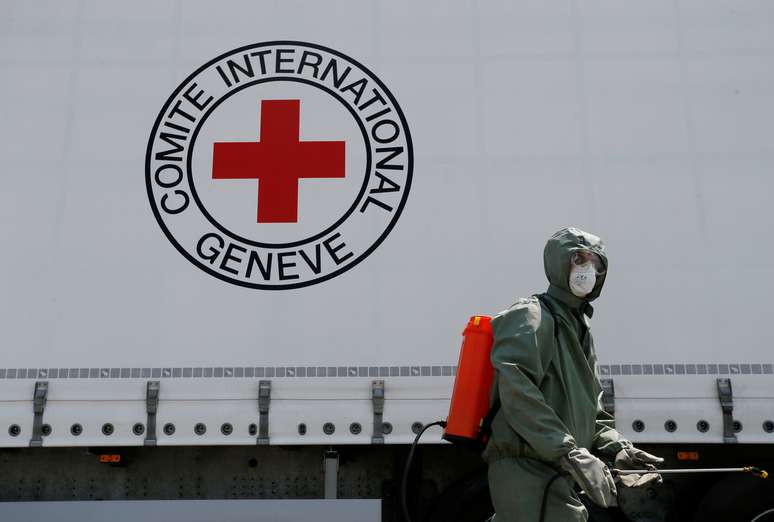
(649, 125)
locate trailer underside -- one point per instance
(446, 481)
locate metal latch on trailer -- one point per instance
(331, 470)
(377, 400)
(38, 407)
(608, 395)
(726, 397)
(151, 408)
(264, 399)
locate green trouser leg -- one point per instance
(516, 486)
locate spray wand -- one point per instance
(747, 469)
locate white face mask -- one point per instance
(583, 278)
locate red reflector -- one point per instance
(110, 458)
(687, 455)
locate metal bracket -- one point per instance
(331, 474)
(377, 400)
(608, 395)
(38, 407)
(264, 399)
(726, 397)
(151, 407)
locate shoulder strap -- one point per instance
(486, 424)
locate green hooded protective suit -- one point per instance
(549, 392)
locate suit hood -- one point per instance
(557, 256)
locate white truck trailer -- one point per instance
(242, 236)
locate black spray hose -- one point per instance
(407, 469)
(545, 497)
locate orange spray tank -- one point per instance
(470, 397)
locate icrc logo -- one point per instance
(279, 165)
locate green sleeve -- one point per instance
(518, 359)
(606, 439)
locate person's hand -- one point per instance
(592, 475)
(633, 458)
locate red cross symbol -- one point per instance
(278, 161)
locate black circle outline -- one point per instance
(216, 224)
(357, 260)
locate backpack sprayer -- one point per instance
(468, 420)
(470, 416)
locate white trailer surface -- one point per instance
(649, 124)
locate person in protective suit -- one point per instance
(550, 418)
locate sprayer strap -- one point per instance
(486, 424)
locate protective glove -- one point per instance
(591, 475)
(633, 458)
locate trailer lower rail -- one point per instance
(360, 510)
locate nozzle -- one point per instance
(762, 473)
